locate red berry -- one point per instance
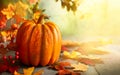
(1, 46)
(4, 57)
(10, 57)
(14, 26)
(13, 61)
(16, 53)
(16, 57)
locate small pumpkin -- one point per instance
(38, 43)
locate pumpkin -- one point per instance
(38, 43)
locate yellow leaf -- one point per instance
(9, 11)
(72, 55)
(3, 33)
(80, 67)
(40, 72)
(28, 71)
(21, 8)
(16, 73)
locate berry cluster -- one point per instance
(9, 63)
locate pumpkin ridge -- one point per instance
(58, 46)
(24, 40)
(55, 40)
(35, 44)
(47, 45)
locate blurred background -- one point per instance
(94, 18)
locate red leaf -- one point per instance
(68, 72)
(63, 48)
(62, 65)
(87, 61)
(18, 19)
(3, 20)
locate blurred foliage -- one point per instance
(70, 4)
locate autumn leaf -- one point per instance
(69, 43)
(60, 65)
(82, 51)
(21, 9)
(28, 71)
(18, 19)
(3, 20)
(16, 73)
(33, 1)
(71, 55)
(80, 67)
(63, 48)
(87, 61)
(9, 11)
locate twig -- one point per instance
(96, 70)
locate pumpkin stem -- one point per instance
(42, 18)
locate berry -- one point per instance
(10, 57)
(16, 57)
(4, 57)
(13, 61)
(16, 53)
(14, 26)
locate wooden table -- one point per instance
(111, 64)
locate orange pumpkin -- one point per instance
(38, 43)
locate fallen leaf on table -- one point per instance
(87, 61)
(69, 43)
(60, 65)
(16, 73)
(82, 51)
(91, 62)
(63, 48)
(68, 72)
(79, 67)
(28, 71)
(71, 55)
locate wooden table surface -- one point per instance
(111, 64)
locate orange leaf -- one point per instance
(87, 61)
(28, 71)
(16, 73)
(18, 19)
(3, 20)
